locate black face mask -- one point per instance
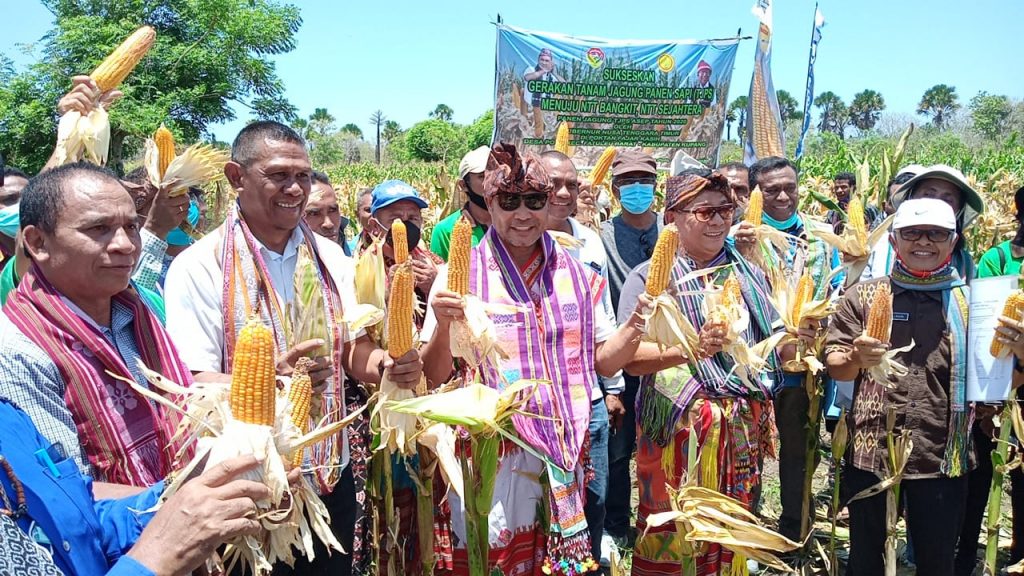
(476, 199)
(412, 234)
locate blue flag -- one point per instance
(819, 22)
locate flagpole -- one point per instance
(818, 22)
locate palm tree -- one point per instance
(939, 102)
(789, 108)
(739, 105)
(834, 114)
(865, 109)
(730, 117)
(442, 112)
(352, 129)
(301, 125)
(391, 131)
(321, 122)
(377, 118)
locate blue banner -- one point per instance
(661, 96)
(764, 121)
(819, 21)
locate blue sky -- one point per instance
(405, 57)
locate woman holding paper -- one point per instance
(912, 386)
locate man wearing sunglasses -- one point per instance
(553, 327)
(629, 239)
(929, 305)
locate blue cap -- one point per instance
(390, 191)
(178, 237)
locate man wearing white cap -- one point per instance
(930, 313)
(943, 183)
(471, 181)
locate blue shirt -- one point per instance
(86, 536)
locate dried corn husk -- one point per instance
(567, 241)
(198, 165)
(854, 245)
(83, 137)
(793, 311)
(371, 281)
(306, 317)
(474, 338)
(291, 517)
(703, 515)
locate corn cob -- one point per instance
(1013, 308)
(517, 99)
(399, 241)
(600, 171)
(458, 256)
(165, 148)
(766, 124)
(120, 63)
(253, 381)
(300, 397)
(804, 294)
(755, 208)
(855, 220)
(538, 122)
(662, 261)
(731, 294)
(879, 325)
(400, 313)
(562, 138)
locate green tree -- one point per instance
(391, 131)
(789, 108)
(834, 114)
(739, 105)
(321, 122)
(208, 55)
(990, 114)
(377, 119)
(480, 132)
(434, 140)
(352, 129)
(443, 112)
(730, 117)
(939, 102)
(866, 109)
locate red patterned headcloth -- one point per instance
(508, 171)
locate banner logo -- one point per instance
(595, 57)
(666, 63)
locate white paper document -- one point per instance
(988, 378)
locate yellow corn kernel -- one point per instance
(399, 241)
(600, 171)
(755, 208)
(165, 148)
(731, 294)
(538, 122)
(517, 99)
(879, 325)
(662, 260)
(765, 123)
(562, 138)
(855, 220)
(300, 397)
(400, 312)
(459, 247)
(253, 377)
(804, 294)
(120, 63)
(1014, 308)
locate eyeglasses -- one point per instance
(620, 182)
(915, 234)
(510, 202)
(706, 213)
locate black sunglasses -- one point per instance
(915, 234)
(706, 213)
(510, 202)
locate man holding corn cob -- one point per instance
(775, 204)
(920, 310)
(556, 331)
(247, 268)
(75, 329)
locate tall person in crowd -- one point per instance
(246, 267)
(471, 183)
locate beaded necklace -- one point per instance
(19, 493)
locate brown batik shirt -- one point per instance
(921, 398)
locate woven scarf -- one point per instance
(815, 257)
(247, 289)
(666, 396)
(955, 298)
(115, 448)
(550, 338)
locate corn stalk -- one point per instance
(839, 442)
(814, 394)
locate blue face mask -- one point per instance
(9, 221)
(636, 198)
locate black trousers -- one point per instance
(791, 405)
(621, 444)
(934, 509)
(341, 504)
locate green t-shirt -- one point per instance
(440, 238)
(9, 281)
(998, 261)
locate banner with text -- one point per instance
(661, 96)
